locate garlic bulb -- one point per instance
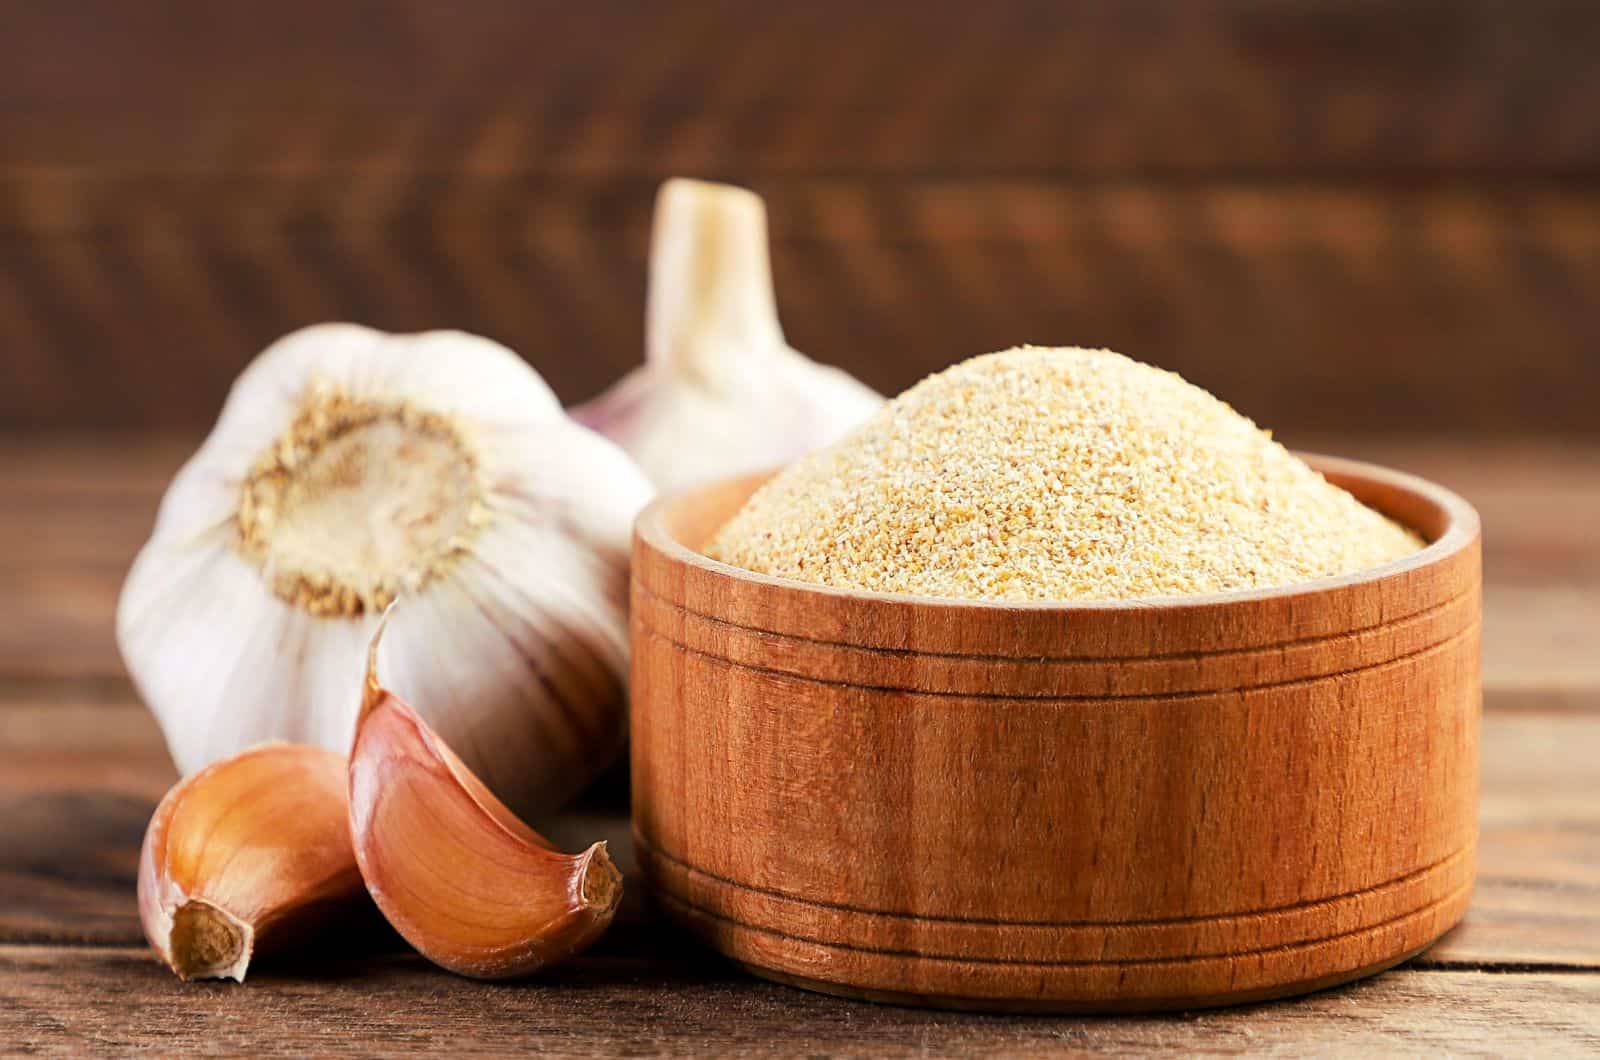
(720, 391)
(350, 467)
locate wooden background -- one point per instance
(1371, 219)
(1348, 216)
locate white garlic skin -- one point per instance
(683, 434)
(721, 392)
(517, 651)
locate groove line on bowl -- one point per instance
(1051, 675)
(1440, 867)
(1176, 656)
(1173, 696)
(1408, 915)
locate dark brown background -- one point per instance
(1351, 217)
(1376, 219)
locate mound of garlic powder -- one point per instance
(1056, 474)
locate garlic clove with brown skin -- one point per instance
(455, 872)
(248, 856)
(721, 391)
(350, 466)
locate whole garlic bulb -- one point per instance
(351, 467)
(720, 391)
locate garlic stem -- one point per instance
(720, 391)
(710, 288)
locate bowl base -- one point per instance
(1081, 1008)
(1070, 981)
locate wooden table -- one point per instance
(82, 765)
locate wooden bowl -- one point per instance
(1079, 806)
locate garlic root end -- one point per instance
(600, 885)
(251, 854)
(209, 943)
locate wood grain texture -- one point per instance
(671, 1005)
(1198, 801)
(1330, 213)
(1169, 86)
(81, 766)
(80, 775)
(132, 303)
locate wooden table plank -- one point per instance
(82, 765)
(78, 781)
(1540, 504)
(1538, 895)
(78, 510)
(667, 1005)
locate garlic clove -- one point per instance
(349, 466)
(247, 856)
(464, 880)
(721, 391)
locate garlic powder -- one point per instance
(1056, 474)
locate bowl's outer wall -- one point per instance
(976, 804)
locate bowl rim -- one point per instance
(1462, 530)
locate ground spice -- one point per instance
(1056, 474)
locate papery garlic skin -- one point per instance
(454, 871)
(348, 467)
(721, 391)
(250, 855)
